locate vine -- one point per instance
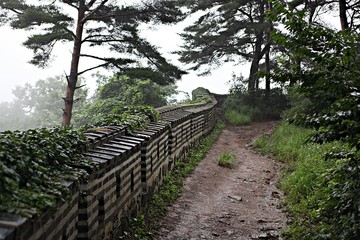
(34, 164)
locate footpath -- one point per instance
(221, 203)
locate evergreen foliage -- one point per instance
(94, 23)
(226, 31)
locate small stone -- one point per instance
(236, 198)
(275, 194)
(263, 236)
(215, 234)
(222, 221)
(230, 232)
(261, 221)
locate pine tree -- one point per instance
(226, 31)
(94, 23)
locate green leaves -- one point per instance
(33, 165)
(325, 65)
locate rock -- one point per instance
(215, 234)
(236, 198)
(263, 236)
(222, 221)
(275, 194)
(261, 221)
(230, 232)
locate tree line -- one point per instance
(40, 105)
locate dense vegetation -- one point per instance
(35, 165)
(321, 191)
(322, 175)
(241, 107)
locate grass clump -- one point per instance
(227, 159)
(147, 223)
(237, 119)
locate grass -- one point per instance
(237, 119)
(305, 178)
(227, 159)
(147, 223)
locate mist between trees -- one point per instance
(40, 105)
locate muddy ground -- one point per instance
(222, 203)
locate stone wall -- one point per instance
(128, 169)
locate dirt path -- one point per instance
(222, 203)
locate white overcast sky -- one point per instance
(15, 69)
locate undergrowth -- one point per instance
(309, 181)
(237, 119)
(147, 223)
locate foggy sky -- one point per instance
(15, 69)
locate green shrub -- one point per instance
(237, 119)
(227, 159)
(259, 106)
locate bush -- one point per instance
(199, 92)
(237, 119)
(261, 106)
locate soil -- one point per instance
(221, 203)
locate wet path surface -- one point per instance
(222, 203)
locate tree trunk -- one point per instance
(267, 68)
(253, 78)
(267, 56)
(74, 67)
(342, 13)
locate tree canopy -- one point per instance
(122, 91)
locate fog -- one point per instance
(15, 69)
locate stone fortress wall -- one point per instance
(127, 170)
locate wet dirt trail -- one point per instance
(222, 203)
